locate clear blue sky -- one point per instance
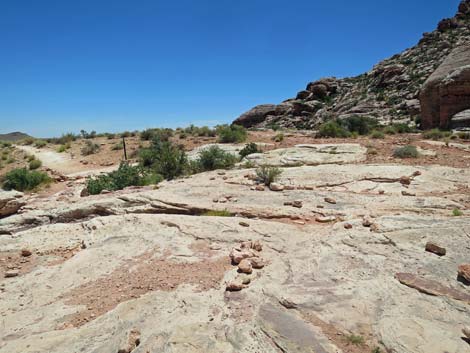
(124, 65)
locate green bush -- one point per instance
(249, 148)
(213, 158)
(436, 134)
(125, 176)
(164, 158)
(40, 143)
(27, 141)
(390, 130)
(360, 124)
(268, 175)
(35, 164)
(88, 135)
(376, 134)
(231, 134)
(162, 134)
(332, 129)
(463, 135)
(279, 137)
(203, 131)
(402, 128)
(406, 152)
(117, 147)
(89, 148)
(456, 212)
(22, 179)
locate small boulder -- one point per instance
(259, 188)
(257, 262)
(276, 187)
(11, 273)
(325, 219)
(435, 249)
(330, 200)
(26, 253)
(244, 224)
(297, 204)
(464, 272)
(466, 331)
(238, 255)
(245, 266)
(348, 226)
(235, 285)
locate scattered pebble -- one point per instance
(435, 249)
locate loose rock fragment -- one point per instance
(348, 226)
(330, 200)
(407, 193)
(245, 266)
(435, 249)
(11, 273)
(464, 272)
(257, 262)
(244, 224)
(325, 219)
(26, 252)
(276, 187)
(466, 332)
(235, 285)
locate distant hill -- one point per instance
(13, 136)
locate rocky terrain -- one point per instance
(346, 252)
(390, 92)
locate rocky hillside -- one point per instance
(389, 92)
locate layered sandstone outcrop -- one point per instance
(447, 91)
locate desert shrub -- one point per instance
(64, 139)
(4, 156)
(463, 135)
(110, 136)
(402, 128)
(117, 147)
(231, 133)
(360, 124)
(125, 176)
(31, 157)
(22, 179)
(162, 134)
(5, 144)
(213, 158)
(64, 147)
(183, 135)
(355, 339)
(89, 148)
(35, 164)
(377, 134)
(268, 175)
(27, 141)
(249, 148)
(456, 212)
(436, 134)
(88, 135)
(279, 137)
(40, 143)
(125, 134)
(274, 126)
(332, 129)
(10, 160)
(164, 158)
(406, 152)
(389, 130)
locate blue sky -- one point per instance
(123, 65)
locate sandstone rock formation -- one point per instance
(389, 92)
(142, 270)
(447, 91)
(10, 202)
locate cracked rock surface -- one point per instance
(144, 270)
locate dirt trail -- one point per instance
(63, 162)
